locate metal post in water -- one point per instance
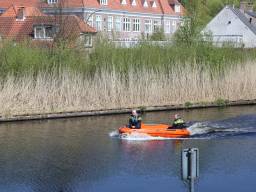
(192, 186)
(190, 166)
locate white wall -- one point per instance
(229, 26)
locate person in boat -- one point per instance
(178, 122)
(135, 120)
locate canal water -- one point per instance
(85, 154)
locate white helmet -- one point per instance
(176, 116)
(134, 112)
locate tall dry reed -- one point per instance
(72, 91)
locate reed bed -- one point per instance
(68, 90)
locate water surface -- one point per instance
(75, 155)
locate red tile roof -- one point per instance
(29, 11)
(12, 28)
(163, 6)
(32, 3)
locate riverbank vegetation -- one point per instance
(35, 80)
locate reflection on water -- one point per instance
(79, 155)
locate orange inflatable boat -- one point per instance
(156, 130)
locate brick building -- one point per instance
(118, 19)
(21, 23)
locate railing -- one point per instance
(218, 40)
(221, 40)
(134, 43)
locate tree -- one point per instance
(158, 35)
(189, 31)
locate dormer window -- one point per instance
(123, 2)
(52, 1)
(145, 4)
(177, 8)
(44, 31)
(154, 4)
(104, 2)
(21, 14)
(134, 3)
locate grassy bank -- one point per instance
(36, 80)
(70, 91)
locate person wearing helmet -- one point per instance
(134, 120)
(178, 122)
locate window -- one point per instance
(104, 2)
(49, 31)
(168, 26)
(52, 1)
(136, 25)
(177, 8)
(89, 20)
(88, 40)
(44, 32)
(39, 32)
(110, 23)
(118, 24)
(98, 22)
(174, 24)
(148, 26)
(157, 25)
(21, 14)
(126, 24)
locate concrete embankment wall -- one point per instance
(73, 114)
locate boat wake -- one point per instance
(241, 125)
(135, 136)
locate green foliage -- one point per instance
(158, 35)
(22, 59)
(188, 104)
(221, 102)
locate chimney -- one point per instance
(250, 7)
(21, 14)
(243, 6)
(246, 6)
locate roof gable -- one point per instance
(13, 11)
(229, 20)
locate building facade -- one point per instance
(119, 19)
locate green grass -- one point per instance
(22, 59)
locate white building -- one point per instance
(232, 25)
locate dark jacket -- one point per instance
(135, 121)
